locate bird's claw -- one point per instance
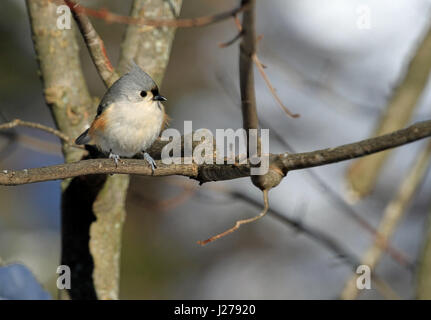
(116, 157)
(150, 161)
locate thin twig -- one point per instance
(94, 43)
(188, 191)
(40, 145)
(261, 69)
(21, 123)
(344, 206)
(239, 223)
(232, 41)
(326, 189)
(177, 23)
(319, 237)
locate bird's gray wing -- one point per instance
(114, 94)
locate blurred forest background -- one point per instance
(337, 76)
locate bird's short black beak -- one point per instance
(159, 98)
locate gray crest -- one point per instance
(127, 87)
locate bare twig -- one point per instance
(391, 217)
(94, 43)
(188, 191)
(20, 123)
(260, 66)
(214, 172)
(327, 190)
(261, 69)
(177, 23)
(38, 145)
(232, 41)
(319, 237)
(345, 207)
(239, 223)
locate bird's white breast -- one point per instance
(131, 127)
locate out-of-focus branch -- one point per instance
(423, 291)
(342, 204)
(94, 43)
(65, 89)
(362, 175)
(161, 22)
(325, 186)
(35, 143)
(143, 43)
(216, 172)
(391, 217)
(70, 103)
(319, 237)
(34, 125)
(108, 203)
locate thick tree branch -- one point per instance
(214, 172)
(67, 96)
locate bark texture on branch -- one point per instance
(216, 172)
(149, 46)
(67, 96)
(64, 85)
(93, 207)
(95, 45)
(247, 50)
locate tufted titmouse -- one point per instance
(129, 117)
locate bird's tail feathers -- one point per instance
(84, 138)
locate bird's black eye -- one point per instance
(143, 94)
